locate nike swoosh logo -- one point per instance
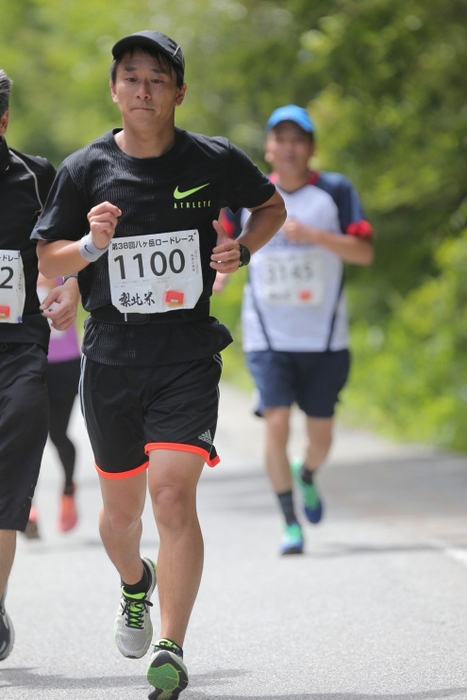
(182, 195)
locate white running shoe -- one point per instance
(7, 633)
(133, 626)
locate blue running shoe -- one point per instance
(312, 504)
(292, 539)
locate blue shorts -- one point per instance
(312, 380)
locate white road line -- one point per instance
(459, 555)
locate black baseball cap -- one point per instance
(152, 40)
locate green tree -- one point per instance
(384, 82)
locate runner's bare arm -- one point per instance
(58, 258)
(220, 282)
(352, 249)
(261, 226)
(61, 303)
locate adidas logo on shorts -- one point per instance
(206, 437)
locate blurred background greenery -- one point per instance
(385, 83)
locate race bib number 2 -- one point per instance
(155, 273)
(12, 287)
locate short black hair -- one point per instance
(159, 56)
(309, 134)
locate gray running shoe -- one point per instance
(167, 672)
(7, 633)
(133, 626)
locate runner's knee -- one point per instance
(122, 520)
(173, 505)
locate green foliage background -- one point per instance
(385, 83)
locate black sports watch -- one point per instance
(245, 255)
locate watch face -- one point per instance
(244, 255)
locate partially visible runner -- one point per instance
(294, 314)
(24, 336)
(135, 213)
(63, 370)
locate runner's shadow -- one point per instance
(350, 551)
(28, 678)
(222, 677)
(421, 695)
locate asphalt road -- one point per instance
(374, 610)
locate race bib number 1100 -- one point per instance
(155, 273)
(12, 287)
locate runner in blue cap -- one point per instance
(295, 325)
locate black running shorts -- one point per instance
(132, 410)
(23, 429)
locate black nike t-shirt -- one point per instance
(181, 190)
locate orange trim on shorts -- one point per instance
(122, 475)
(182, 448)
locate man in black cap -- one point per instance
(136, 214)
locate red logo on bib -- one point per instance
(174, 298)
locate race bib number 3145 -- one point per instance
(155, 273)
(293, 277)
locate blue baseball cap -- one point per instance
(291, 113)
